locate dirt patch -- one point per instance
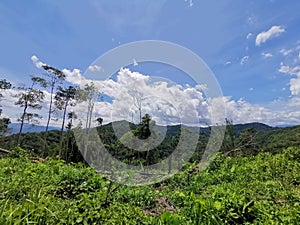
(162, 204)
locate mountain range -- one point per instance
(27, 128)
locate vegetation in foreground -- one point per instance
(261, 189)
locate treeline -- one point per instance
(237, 142)
(60, 98)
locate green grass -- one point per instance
(262, 189)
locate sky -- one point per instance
(251, 47)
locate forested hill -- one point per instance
(264, 137)
(173, 129)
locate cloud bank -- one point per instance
(166, 102)
(264, 36)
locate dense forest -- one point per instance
(45, 179)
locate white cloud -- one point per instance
(135, 63)
(94, 68)
(190, 2)
(286, 52)
(294, 82)
(289, 70)
(160, 99)
(295, 86)
(274, 31)
(37, 62)
(228, 63)
(249, 35)
(168, 103)
(266, 55)
(244, 60)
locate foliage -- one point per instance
(261, 189)
(29, 98)
(4, 122)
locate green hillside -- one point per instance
(254, 179)
(251, 190)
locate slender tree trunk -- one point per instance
(88, 126)
(49, 118)
(87, 115)
(140, 109)
(62, 128)
(91, 114)
(69, 154)
(22, 123)
(170, 163)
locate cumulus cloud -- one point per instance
(170, 103)
(94, 68)
(266, 55)
(274, 31)
(37, 62)
(167, 103)
(289, 70)
(295, 86)
(294, 82)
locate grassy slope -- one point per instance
(255, 190)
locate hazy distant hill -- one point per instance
(173, 129)
(260, 127)
(15, 127)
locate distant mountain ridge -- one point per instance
(15, 127)
(172, 129)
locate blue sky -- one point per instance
(252, 47)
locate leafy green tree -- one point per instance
(64, 97)
(143, 129)
(143, 132)
(229, 137)
(4, 122)
(71, 116)
(70, 141)
(99, 121)
(4, 85)
(29, 98)
(246, 144)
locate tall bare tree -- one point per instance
(29, 98)
(89, 95)
(138, 99)
(54, 77)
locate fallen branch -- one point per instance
(4, 151)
